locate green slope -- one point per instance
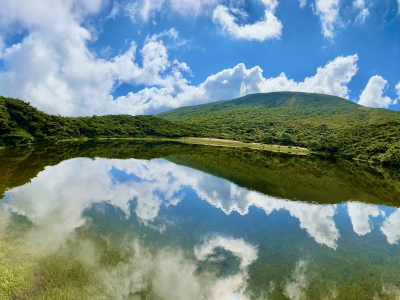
(21, 123)
(320, 122)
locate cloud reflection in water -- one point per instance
(57, 197)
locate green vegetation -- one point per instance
(238, 144)
(307, 178)
(92, 263)
(20, 123)
(320, 123)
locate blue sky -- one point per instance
(99, 57)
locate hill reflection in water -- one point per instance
(173, 226)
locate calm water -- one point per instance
(147, 221)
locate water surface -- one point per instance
(169, 221)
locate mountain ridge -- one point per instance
(324, 124)
(319, 122)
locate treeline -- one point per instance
(20, 123)
(321, 123)
(324, 124)
(303, 178)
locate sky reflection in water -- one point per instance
(219, 218)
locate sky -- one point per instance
(97, 57)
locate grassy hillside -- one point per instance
(319, 122)
(21, 123)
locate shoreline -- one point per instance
(293, 150)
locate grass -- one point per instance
(212, 142)
(238, 144)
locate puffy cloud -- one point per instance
(246, 253)
(59, 210)
(238, 81)
(296, 287)
(302, 3)
(363, 12)
(144, 9)
(391, 227)
(359, 214)
(232, 287)
(269, 28)
(54, 70)
(398, 93)
(328, 12)
(332, 79)
(372, 95)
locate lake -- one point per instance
(140, 220)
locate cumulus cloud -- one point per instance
(332, 79)
(238, 81)
(145, 9)
(328, 12)
(372, 95)
(302, 3)
(59, 211)
(391, 227)
(232, 287)
(398, 93)
(296, 287)
(245, 252)
(363, 12)
(53, 68)
(359, 214)
(269, 28)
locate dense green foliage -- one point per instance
(307, 178)
(319, 122)
(20, 123)
(322, 123)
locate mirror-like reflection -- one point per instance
(165, 228)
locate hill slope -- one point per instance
(319, 122)
(21, 123)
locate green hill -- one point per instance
(324, 124)
(21, 123)
(321, 123)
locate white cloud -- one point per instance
(359, 214)
(372, 95)
(296, 286)
(59, 210)
(391, 227)
(363, 12)
(328, 12)
(245, 252)
(53, 68)
(232, 287)
(398, 3)
(302, 3)
(398, 93)
(145, 9)
(332, 79)
(269, 28)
